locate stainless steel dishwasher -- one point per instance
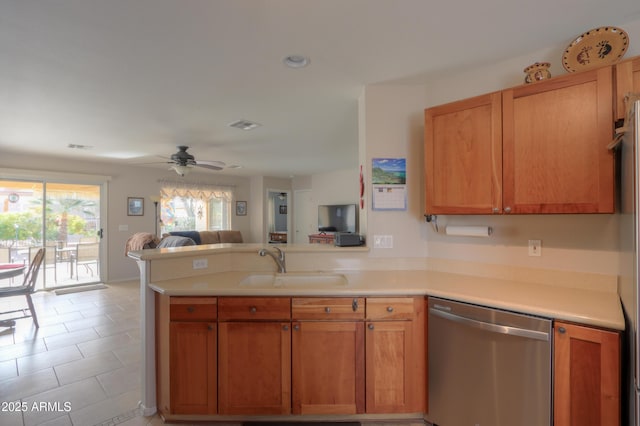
(488, 367)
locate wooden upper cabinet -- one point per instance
(627, 81)
(555, 137)
(463, 156)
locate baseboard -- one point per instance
(77, 289)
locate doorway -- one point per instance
(278, 216)
(62, 217)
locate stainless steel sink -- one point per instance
(294, 280)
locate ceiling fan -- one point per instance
(182, 162)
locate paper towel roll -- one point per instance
(468, 231)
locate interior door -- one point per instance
(304, 219)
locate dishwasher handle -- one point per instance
(494, 328)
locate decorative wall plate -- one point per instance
(599, 46)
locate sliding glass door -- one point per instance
(62, 217)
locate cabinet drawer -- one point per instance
(400, 308)
(193, 308)
(254, 308)
(330, 308)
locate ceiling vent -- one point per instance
(244, 125)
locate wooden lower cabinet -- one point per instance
(586, 376)
(279, 356)
(186, 355)
(396, 373)
(193, 367)
(328, 367)
(254, 367)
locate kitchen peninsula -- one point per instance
(345, 281)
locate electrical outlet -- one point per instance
(535, 247)
(200, 263)
(383, 241)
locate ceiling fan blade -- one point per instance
(208, 166)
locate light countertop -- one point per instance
(585, 306)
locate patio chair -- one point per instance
(87, 254)
(27, 287)
(50, 258)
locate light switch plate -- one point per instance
(383, 241)
(200, 263)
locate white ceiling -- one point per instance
(134, 78)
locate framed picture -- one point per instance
(135, 206)
(241, 208)
(283, 209)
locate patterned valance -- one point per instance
(199, 191)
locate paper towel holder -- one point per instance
(433, 220)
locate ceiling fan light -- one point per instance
(181, 170)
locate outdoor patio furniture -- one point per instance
(27, 287)
(87, 254)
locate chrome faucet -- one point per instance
(279, 258)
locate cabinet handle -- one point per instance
(296, 327)
(285, 327)
(191, 309)
(370, 326)
(389, 308)
(354, 305)
(253, 309)
(327, 310)
(562, 330)
(210, 327)
(507, 209)
(496, 210)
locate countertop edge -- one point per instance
(587, 307)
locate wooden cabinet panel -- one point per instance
(586, 376)
(186, 355)
(328, 367)
(555, 137)
(254, 368)
(627, 81)
(254, 308)
(193, 365)
(193, 308)
(396, 357)
(390, 308)
(463, 156)
(328, 308)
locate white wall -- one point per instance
(127, 181)
(392, 126)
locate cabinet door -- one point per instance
(627, 81)
(192, 367)
(463, 156)
(396, 376)
(388, 379)
(555, 137)
(254, 367)
(328, 367)
(586, 376)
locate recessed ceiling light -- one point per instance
(244, 125)
(296, 61)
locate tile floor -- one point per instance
(81, 367)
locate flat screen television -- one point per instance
(338, 218)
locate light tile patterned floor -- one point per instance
(81, 367)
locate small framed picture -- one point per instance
(283, 209)
(241, 208)
(135, 206)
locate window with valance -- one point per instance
(195, 207)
